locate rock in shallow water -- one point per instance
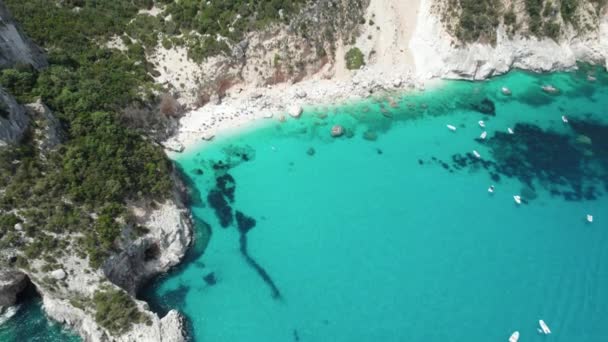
(337, 131)
(210, 279)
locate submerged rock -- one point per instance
(226, 184)
(210, 279)
(311, 151)
(244, 222)
(222, 209)
(486, 106)
(370, 135)
(337, 131)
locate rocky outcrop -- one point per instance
(169, 235)
(11, 284)
(15, 47)
(13, 119)
(47, 129)
(167, 329)
(438, 54)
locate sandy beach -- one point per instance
(390, 67)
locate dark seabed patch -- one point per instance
(569, 165)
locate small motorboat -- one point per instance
(544, 329)
(481, 124)
(564, 119)
(452, 128)
(476, 154)
(510, 130)
(491, 189)
(589, 218)
(483, 135)
(514, 337)
(591, 78)
(506, 91)
(549, 89)
(517, 199)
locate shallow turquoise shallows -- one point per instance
(389, 233)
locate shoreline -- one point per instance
(241, 109)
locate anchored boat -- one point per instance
(514, 337)
(544, 329)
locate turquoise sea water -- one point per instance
(395, 237)
(29, 323)
(389, 233)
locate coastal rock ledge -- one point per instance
(68, 293)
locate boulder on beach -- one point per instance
(295, 111)
(208, 136)
(337, 131)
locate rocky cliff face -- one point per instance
(67, 291)
(15, 47)
(11, 284)
(438, 54)
(162, 248)
(13, 119)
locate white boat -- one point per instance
(514, 337)
(589, 218)
(505, 91)
(591, 78)
(510, 130)
(517, 199)
(544, 328)
(481, 124)
(476, 154)
(564, 119)
(483, 135)
(491, 189)
(451, 128)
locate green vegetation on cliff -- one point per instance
(116, 311)
(102, 163)
(478, 20)
(354, 59)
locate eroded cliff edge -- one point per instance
(439, 53)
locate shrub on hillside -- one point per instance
(354, 59)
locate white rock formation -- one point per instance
(436, 53)
(58, 274)
(295, 111)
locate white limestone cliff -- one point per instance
(436, 53)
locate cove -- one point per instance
(389, 233)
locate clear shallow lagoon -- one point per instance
(397, 238)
